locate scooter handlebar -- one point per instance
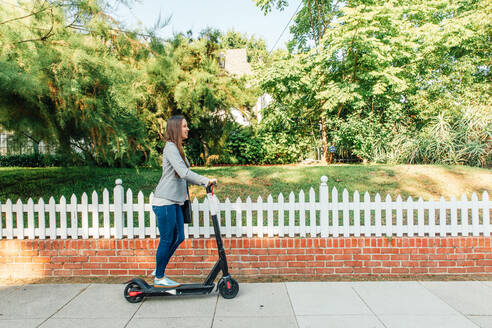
(210, 188)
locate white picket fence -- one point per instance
(326, 217)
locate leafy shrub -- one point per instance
(284, 148)
(284, 139)
(460, 139)
(244, 147)
(363, 137)
(193, 150)
(212, 159)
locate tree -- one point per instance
(385, 68)
(103, 94)
(77, 87)
(189, 81)
(310, 22)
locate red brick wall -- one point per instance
(253, 257)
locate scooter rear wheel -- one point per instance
(133, 293)
(228, 291)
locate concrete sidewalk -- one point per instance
(291, 304)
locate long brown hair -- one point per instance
(173, 134)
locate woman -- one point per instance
(169, 194)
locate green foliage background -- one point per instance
(393, 81)
(71, 77)
(385, 81)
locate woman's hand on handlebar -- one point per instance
(210, 186)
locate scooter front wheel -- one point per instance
(133, 293)
(228, 288)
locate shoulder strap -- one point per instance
(188, 191)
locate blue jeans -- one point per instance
(171, 228)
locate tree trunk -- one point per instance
(205, 151)
(35, 143)
(35, 146)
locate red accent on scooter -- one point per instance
(132, 294)
(228, 285)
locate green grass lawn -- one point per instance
(425, 181)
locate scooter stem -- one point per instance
(210, 197)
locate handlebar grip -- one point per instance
(210, 187)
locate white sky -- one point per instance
(239, 15)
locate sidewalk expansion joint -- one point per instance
(462, 314)
(61, 308)
(291, 306)
(215, 310)
(133, 315)
(370, 309)
(482, 283)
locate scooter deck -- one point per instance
(184, 289)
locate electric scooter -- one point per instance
(137, 288)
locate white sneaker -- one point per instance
(165, 282)
(153, 273)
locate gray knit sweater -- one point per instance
(170, 186)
